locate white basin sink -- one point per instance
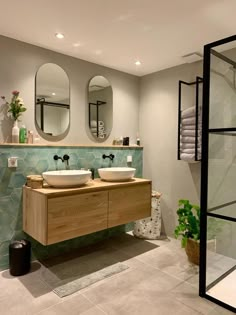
(67, 178)
(114, 174)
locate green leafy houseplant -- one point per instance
(189, 222)
(16, 106)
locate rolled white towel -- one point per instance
(191, 151)
(93, 129)
(188, 157)
(100, 128)
(101, 123)
(190, 139)
(93, 124)
(101, 136)
(190, 121)
(190, 133)
(188, 145)
(191, 127)
(190, 112)
(101, 133)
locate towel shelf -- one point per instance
(193, 151)
(97, 104)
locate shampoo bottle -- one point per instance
(23, 134)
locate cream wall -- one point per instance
(148, 105)
(158, 129)
(19, 63)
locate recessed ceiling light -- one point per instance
(59, 35)
(53, 93)
(138, 63)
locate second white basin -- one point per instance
(66, 178)
(113, 174)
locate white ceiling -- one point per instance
(116, 33)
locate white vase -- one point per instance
(15, 133)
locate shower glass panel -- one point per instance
(218, 175)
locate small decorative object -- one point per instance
(125, 141)
(16, 108)
(189, 229)
(34, 181)
(15, 133)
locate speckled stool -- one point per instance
(150, 228)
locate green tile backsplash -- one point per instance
(35, 160)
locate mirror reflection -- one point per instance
(100, 108)
(52, 100)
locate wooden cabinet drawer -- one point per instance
(72, 216)
(129, 204)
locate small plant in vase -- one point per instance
(15, 109)
(189, 229)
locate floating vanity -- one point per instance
(52, 215)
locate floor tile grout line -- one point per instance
(96, 305)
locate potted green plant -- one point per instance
(189, 229)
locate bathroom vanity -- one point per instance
(52, 215)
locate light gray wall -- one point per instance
(158, 130)
(19, 63)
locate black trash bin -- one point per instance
(19, 257)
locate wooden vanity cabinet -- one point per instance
(53, 215)
(129, 204)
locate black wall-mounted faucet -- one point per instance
(111, 156)
(63, 159)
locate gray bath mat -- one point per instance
(86, 281)
(67, 274)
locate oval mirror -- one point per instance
(100, 108)
(52, 102)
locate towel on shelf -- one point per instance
(191, 127)
(188, 157)
(190, 120)
(190, 139)
(191, 151)
(93, 124)
(191, 133)
(190, 112)
(100, 128)
(189, 145)
(101, 123)
(93, 129)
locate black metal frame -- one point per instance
(97, 112)
(208, 49)
(197, 82)
(42, 103)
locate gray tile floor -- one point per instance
(159, 281)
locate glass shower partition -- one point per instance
(218, 175)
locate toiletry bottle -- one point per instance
(138, 140)
(30, 136)
(23, 134)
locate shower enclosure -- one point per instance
(218, 175)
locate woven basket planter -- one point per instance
(193, 251)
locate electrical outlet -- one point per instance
(12, 161)
(129, 158)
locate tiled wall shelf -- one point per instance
(70, 145)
